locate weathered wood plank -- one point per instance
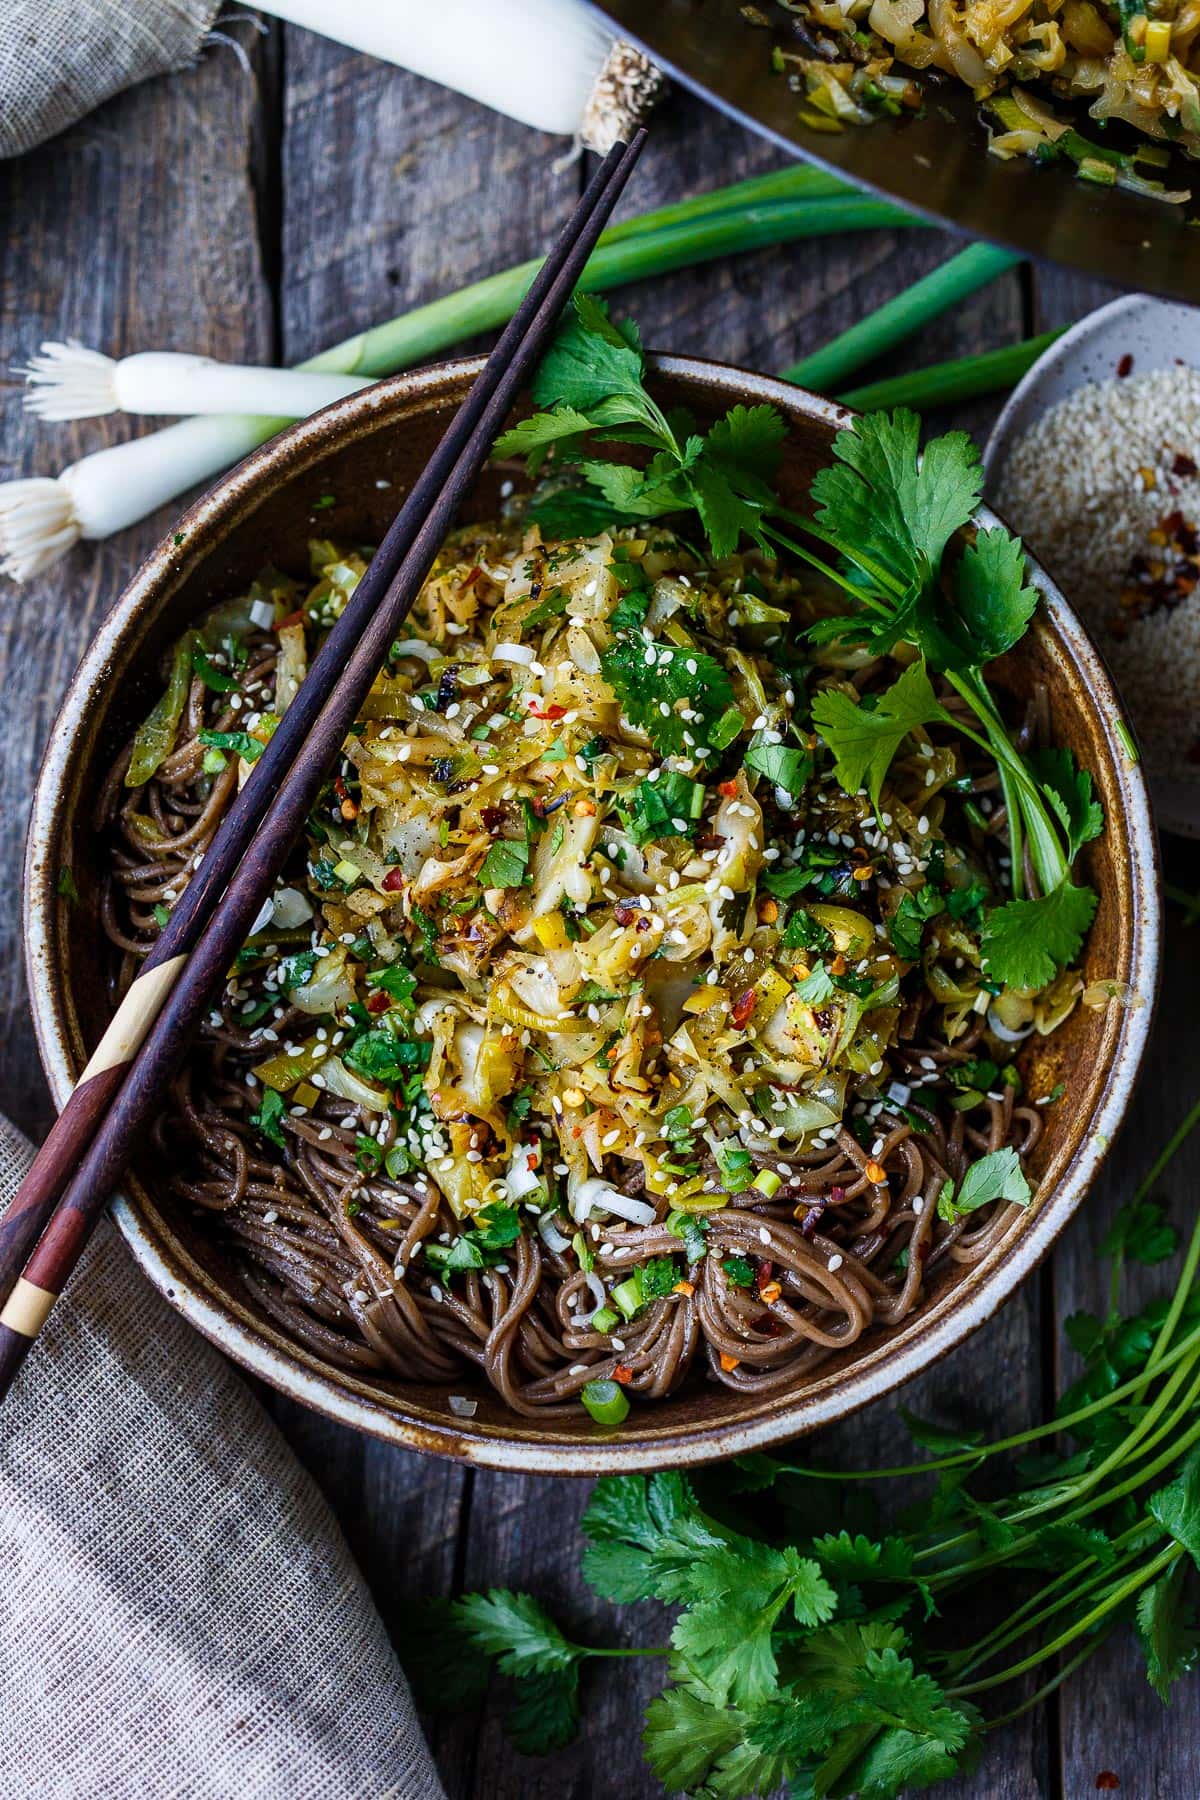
(134, 231)
(1110, 1718)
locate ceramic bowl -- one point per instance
(365, 451)
(1133, 335)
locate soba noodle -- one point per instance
(504, 998)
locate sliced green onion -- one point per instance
(604, 1319)
(605, 1401)
(827, 368)
(347, 871)
(628, 1294)
(1128, 745)
(213, 761)
(767, 1182)
(948, 383)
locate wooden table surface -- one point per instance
(258, 209)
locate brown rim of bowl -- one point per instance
(522, 1445)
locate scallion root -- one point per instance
(69, 381)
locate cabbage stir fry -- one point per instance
(646, 995)
(586, 864)
(850, 64)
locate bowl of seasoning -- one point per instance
(1095, 460)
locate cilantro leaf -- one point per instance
(1177, 1506)
(782, 765)
(738, 1272)
(240, 742)
(514, 1629)
(737, 1592)
(735, 1164)
(1068, 788)
(649, 681)
(447, 1669)
(1141, 1232)
(544, 1711)
(1167, 1630)
(659, 1276)
(268, 1117)
(747, 444)
(1026, 942)
(528, 1647)
(907, 924)
(864, 742)
(883, 504)
(589, 359)
(541, 429)
(685, 1735)
(816, 987)
(996, 1176)
(506, 864)
(994, 604)
(668, 807)
(803, 932)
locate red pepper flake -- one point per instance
(622, 1373)
(762, 1274)
(554, 711)
(378, 1002)
(836, 1196)
(293, 618)
(728, 788)
(393, 881)
(1183, 464)
(1107, 1780)
(742, 1008)
(1125, 365)
(625, 914)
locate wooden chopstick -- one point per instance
(126, 1079)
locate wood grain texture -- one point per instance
(1109, 1719)
(269, 216)
(136, 230)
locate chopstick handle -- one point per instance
(58, 1158)
(200, 975)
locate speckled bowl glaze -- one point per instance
(365, 451)
(1152, 334)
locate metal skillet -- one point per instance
(936, 165)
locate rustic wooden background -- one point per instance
(258, 210)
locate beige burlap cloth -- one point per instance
(179, 1616)
(59, 59)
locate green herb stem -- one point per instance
(1047, 1688)
(827, 369)
(950, 383)
(1191, 1262)
(1109, 1604)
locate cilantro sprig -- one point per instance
(815, 1648)
(591, 383)
(895, 519)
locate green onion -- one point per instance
(604, 1319)
(628, 1294)
(213, 761)
(605, 1401)
(127, 481)
(898, 318)
(767, 1182)
(949, 383)
(347, 871)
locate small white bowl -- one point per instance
(1154, 334)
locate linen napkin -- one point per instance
(60, 59)
(180, 1618)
